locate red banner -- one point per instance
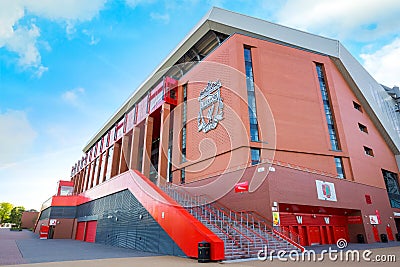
(119, 127)
(130, 120)
(141, 110)
(156, 97)
(242, 187)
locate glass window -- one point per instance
(327, 108)
(66, 190)
(251, 98)
(255, 156)
(363, 128)
(109, 162)
(184, 107)
(368, 151)
(183, 176)
(339, 167)
(392, 188)
(357, 106)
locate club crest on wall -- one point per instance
(211, 107)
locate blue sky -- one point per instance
(67, 66)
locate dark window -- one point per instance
(368, 151)
(327, 107)
(255, 156)
(183, 175)
(184, 107)
(392, 187)
(363, 128)
(368, 199)
(339, 167)
(254, 135)
(357, 106)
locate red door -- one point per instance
(315, 235)
(80, 231)
(339, 232)
(376, 233)
(90, 235)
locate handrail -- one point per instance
(232, 227)
(222, 231)
(246, 227)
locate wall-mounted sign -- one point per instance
(373, 219)
(326, 190)
(211, 107)
(275, 218)
(53, 222)
(396, 214)
(242, 187)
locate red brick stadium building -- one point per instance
(248, 134)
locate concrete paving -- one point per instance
(26, 250)
(26, 247)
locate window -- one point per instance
(184, 107)
(327, 107)
(392, 187)
(357, 106)
(363, 128)
(183, 175)
(368, 151)
(255, 156)
(339, 167)
(109, 162)
(254, 135)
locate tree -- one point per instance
(16, 214)
(5, 210)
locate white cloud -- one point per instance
(161, 17)
(383, 64)
(16, 136)
(30, 182)
(21, 37)
(72, 96)
(358, 19)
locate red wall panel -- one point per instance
(90, 235)
(80, 231)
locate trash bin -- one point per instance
(360, 238)
(384, 238)
(203, 252)
(398, 237)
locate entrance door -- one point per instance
(389, 233)
(80, 231)
(90, 235)
(376, 233)
(340, 232)
(315, 235)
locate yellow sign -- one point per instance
(275, 218)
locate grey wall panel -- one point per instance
(124, 222)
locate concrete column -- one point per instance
(163, 146)
(148, 139)
(134, 153)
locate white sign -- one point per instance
(326, 190)
(299, 219)
(326, 220)
(53, 222)
(373, 219)
(211, 107)
(396, 214)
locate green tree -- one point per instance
(16, 214)
(5, 211)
